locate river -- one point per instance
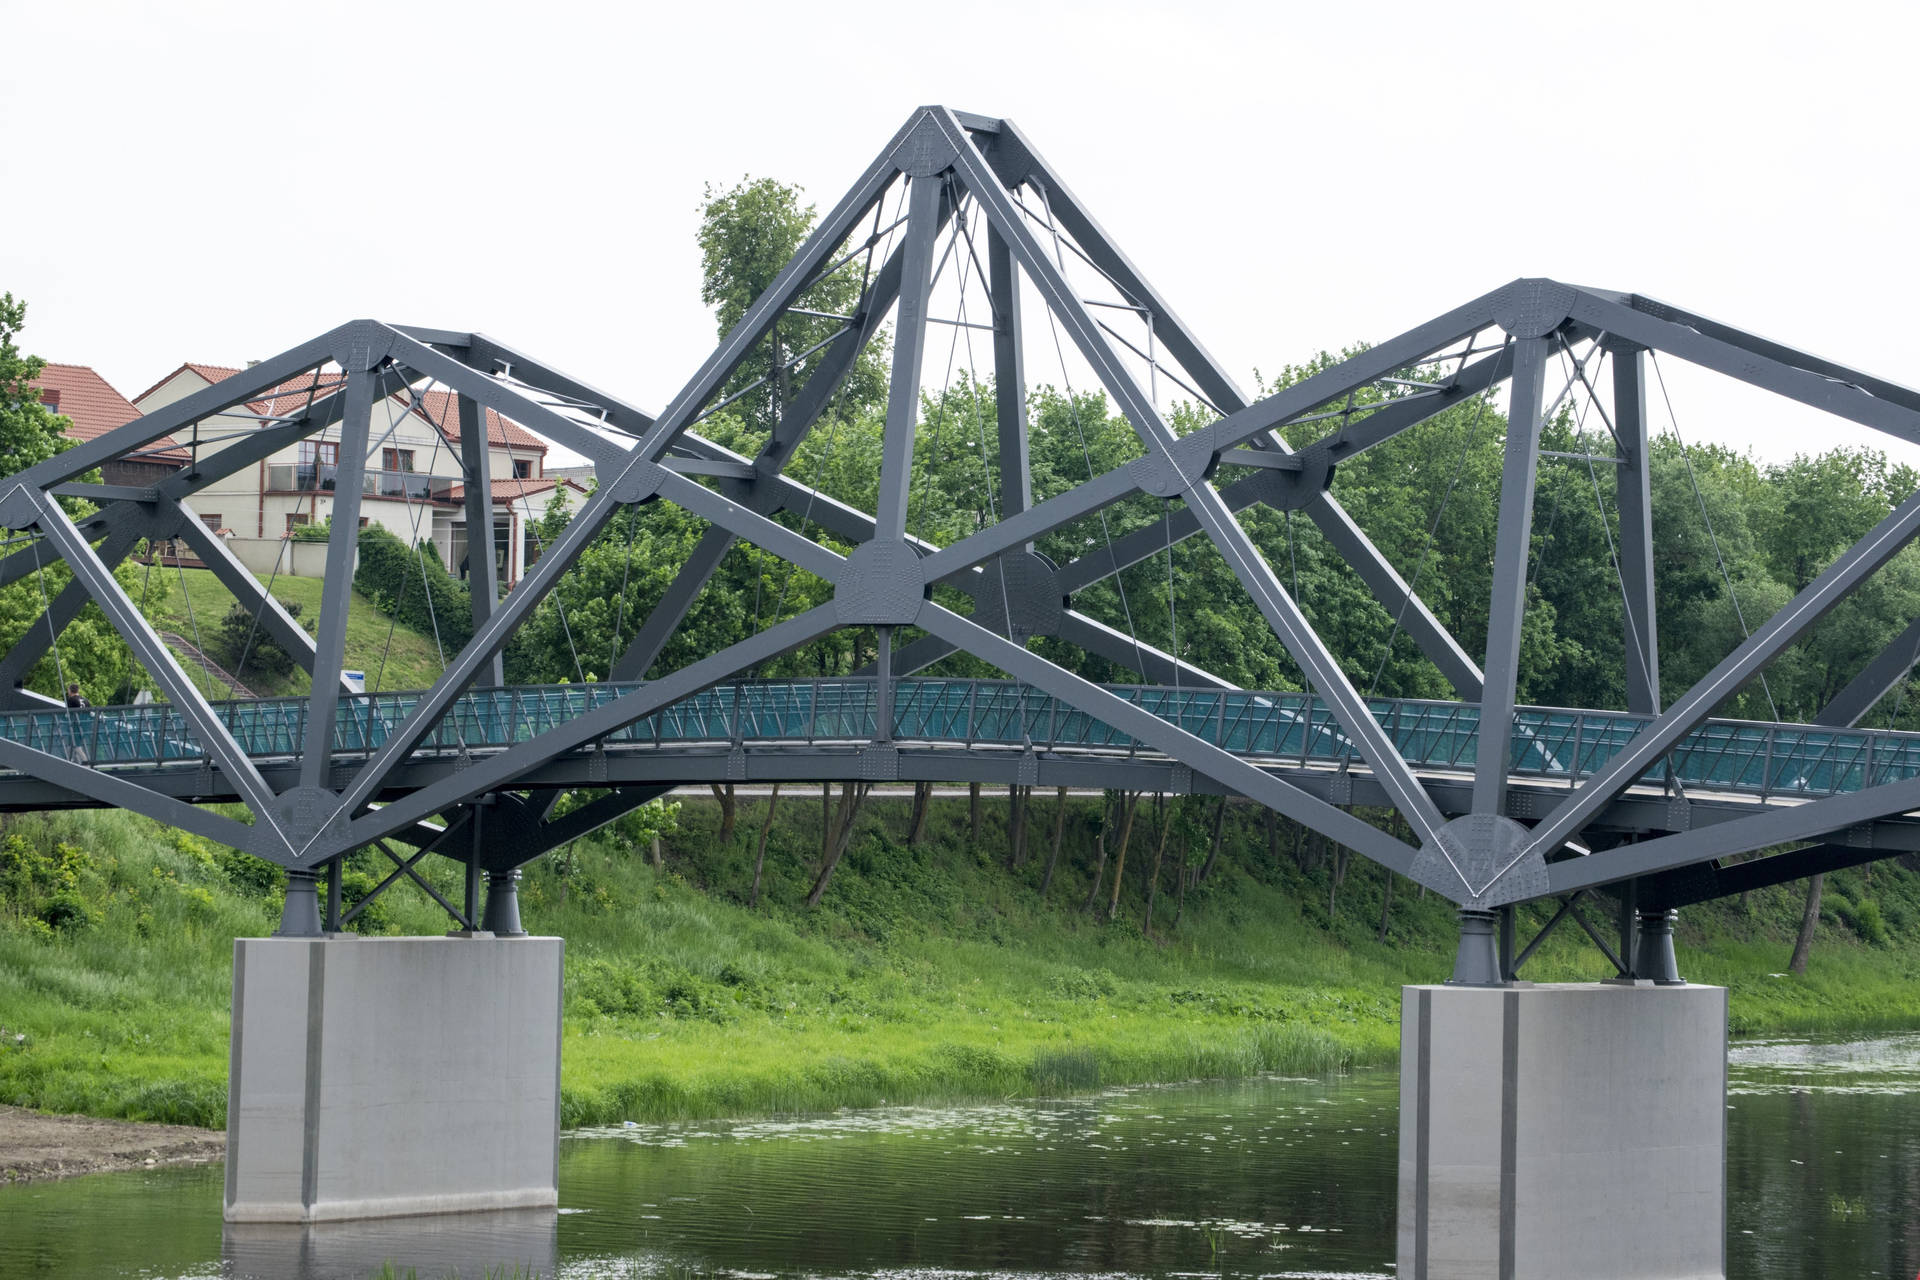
(1268, 1177)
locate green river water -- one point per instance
(1273, 1178)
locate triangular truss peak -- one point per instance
(961, 229)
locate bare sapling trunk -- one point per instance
(1334, 880)
(973, 814)
(852, 797)
(1059, 829)
(1810, 917)
(922, 801)
(1016, 826)
(1131, 807)
(760, 854)
(1159, 860)
(1386, 903)
(1109, 811)
(724, 795)
(659, 854)
(1213, 851)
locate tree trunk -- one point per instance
(1386, 902)
(760, 855)
(922, 802)
(724, 794)
(1059, 829)
(1120, 854)
(1803, 945)
(1016, 826)
(826, 820)
(852, 797)
(1213, 853)
(659, 855)
(1180, 910)
(1108, 812)
(1334, 879)
(973, 813)
(1159, 860)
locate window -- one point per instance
(396, 459)
(50, 397)
(295, 518)
(211, 519)
(363, 522)
(523, 469)
(325, 452)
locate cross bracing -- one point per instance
(1503, 803)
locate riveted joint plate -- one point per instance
(1181, 783)
(1679, 815)
(1293, 490)
(1172, 473)
(737, 765)
(363, 346)
(637, 481)
(597, 766)
(880, 764)
(926, 150)
(883, 584)
(1028, 773)
(18, 510)
(1533, 308)
(1340, 788)
(1860, 837)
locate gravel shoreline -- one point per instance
(34, 1146)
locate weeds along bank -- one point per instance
(933, 971)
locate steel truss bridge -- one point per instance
(1505, 804)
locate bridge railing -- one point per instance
(1722, 755)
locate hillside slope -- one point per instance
(929, 972)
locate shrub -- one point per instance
(67, 912)
(411, 584)
(1866, 922)
(240, 641)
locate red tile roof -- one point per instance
(94, 408)
(438, 407)
(513, 490)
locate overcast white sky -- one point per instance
(217, 182)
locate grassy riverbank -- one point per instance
(927, 973)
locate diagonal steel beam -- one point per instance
(1754, 365)
(1822, 594)
(252, 594)
(1153, 664)
(793, 280)
(909, 353)
(1879, 679)
(64, 608)
(1227, 769)
(1179, 340)
(153, 654)
(1513, 544)
(1818, 819)
(1256, 576)
(118, 793)
(499, 770)
(205, 403)
(343, 546)
(476, 465)
(725, 513)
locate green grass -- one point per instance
(927, 974)
(412, 661)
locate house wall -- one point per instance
(249, 505)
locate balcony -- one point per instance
(320, 477)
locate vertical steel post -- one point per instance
(333, 894)
(1512, 543)
(476, 464)
(471, 905)
(343, 544)
(883, 688)
(909, 350)
(1633, 495)
(1009, 378)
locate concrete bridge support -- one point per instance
(1563, 1132)
(375, 1077)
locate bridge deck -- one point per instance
(1742, 757)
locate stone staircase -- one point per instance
(218, 678)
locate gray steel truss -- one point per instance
(974, 191)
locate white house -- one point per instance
(412, 485)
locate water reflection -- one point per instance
(1273, 1178)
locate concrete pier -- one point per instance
(374, 1077)
(1564, 1132)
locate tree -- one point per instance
(88, 652)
